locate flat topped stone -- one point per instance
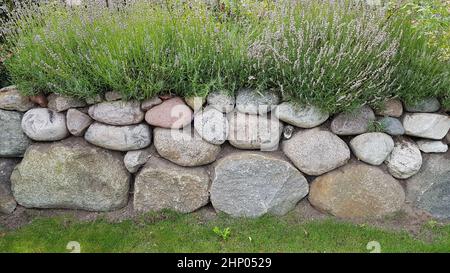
(251, 184)
(431, 146)
(426, 125)
(305, 116)
(11, 99)
(164, 185)
(117, 112)
(43, 124)
(316, 151)
(171, 113)
(353, 123)
(357, 190)
(60, 103)
(253, 102)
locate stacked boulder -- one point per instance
(248, 155)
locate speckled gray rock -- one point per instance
(405, 159)
(212, 125)
(11, 99)
(112, 96)
(180, 147)
(426, 125)
(432, 146)
(71, 174)
(77, 122)
(135, 159)
(429, 189)
(148, 104)
(7, 202)
(254, 132)
(161, 184)
(392, 126)
(426, 105)
(119, 138)
(13, 141)
(253, 102)
(300, 116)
(251, 184)
(357, 190)
(392, 108)
(61, 103)
(353, 123)
(117, 112)
(43, 124)
(372, 148)
(316, 151)
(221, 101)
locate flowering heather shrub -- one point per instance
(337, 55)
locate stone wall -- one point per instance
(248, 155)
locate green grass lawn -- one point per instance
(171, 232)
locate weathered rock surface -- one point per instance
(254, 132)
(161, 184)
(117, 112)
(94, 99)
(430, 146)
(357, 190)
(13, 141)
(112, 96)
(221, 101)
(253, 102)
(172, 113)
(119, 138)
(405, 159)
(212, 125)
(43, 124)
(180, 147)
(251, 184)
(11, 99)
(392, 126)
(77, 122)
(135, 159)
(372, 148)
(426, 125)
(148, 104)
(196, 103)
(7, 202)
(392, 108)
(429, 189)
(71, 174)
(316, 151)
(426, 105)
(61, 103)
(300, 116)
(353, 123)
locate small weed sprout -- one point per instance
(224, 234)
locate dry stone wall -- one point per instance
(247, 155)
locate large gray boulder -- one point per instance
(254, 131)
(429, 189)
(42, 124)
(251, 184)
(117, 112)
(71, 174)
(253, 102)
(426, 125)
(354, 123)
(184, 149)
(161, 184)
(13, 141)
(119, 138)
(7, 202)
(372, 148)
(11, 99)
(316, 151)
(357, 190)
(303, 116)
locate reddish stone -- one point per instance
(172, 113)
(40, 99)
